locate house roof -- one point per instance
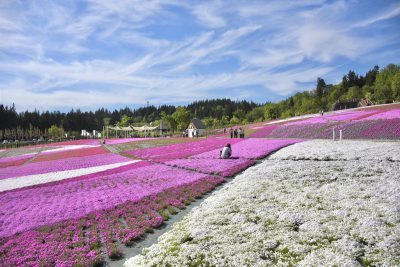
(197, 123)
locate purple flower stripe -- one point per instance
(338, 117)
(124, 140)
(357, 129)
(26, 209)
(383, 129)
(78, 241)
(251, 148)
(345, 116)
(302, 131)
(181, 150)
(351, 130)
(264, 131)
(386, 114)
(307, 121)
(61, 165)
(15, 158)
(87, 177)
(224, 167)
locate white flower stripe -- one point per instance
(337, 208)
(29, 180)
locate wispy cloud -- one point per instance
(97, 53)
(391, 12)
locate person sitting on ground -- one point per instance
(226, 152)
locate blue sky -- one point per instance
(58, 55)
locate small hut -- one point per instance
(353, 103)
(196, 126)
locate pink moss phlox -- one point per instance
(224, 167)
(264, 131)
(61, 165)
(49, 204)
(253, 148)
(79, 241)
(181, 150)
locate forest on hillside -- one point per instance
(377, 85)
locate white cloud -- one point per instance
(207, 14)
(51, 49)
(323, 44)
(391, 12)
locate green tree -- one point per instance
(125, 121)
(106, 121)
(224, 121)
(256, 114)
(234, 120)
(271, 111)
(385, 84)
(208, 122)
(354, 92)
(169, 120)
(172, 123)
(182, 117)
(240, 114)
(55, 131)
(287, 113)
(319, 91)
(370, 76)
(396, 85)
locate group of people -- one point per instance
(236, 133)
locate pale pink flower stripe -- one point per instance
(110, 141)
(26, 209)
(75, 142)
(385, 114)
(264, 131)
(15, 158)
(224, 167)
(95, 175)
(350, 116)
(61, 165)
(253, 148)
(319, 119)
(345, 116)
(124, 140)
(181, 150)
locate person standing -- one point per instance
(241, 133)
(231, 131)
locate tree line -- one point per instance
(380, 86)
(33, 124)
